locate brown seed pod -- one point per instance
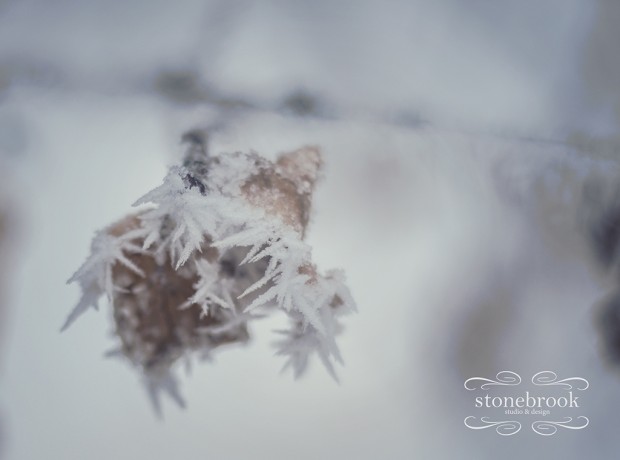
(284, 189)
(224, 238)
(153, 319)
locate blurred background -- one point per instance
(470, 194)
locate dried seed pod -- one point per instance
(154, 320)
(284, 189)
(225, 238)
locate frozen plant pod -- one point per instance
(219, 243)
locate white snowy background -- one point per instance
(457, 136)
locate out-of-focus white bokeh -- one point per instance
(458, 139)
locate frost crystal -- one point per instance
(221, 241)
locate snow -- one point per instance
(460, 234)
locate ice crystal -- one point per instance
(95, 275)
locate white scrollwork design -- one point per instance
(549, 428)
(550, 378)
(503, 428)
(503, 378)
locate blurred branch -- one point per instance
(186, 87)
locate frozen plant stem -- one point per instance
(218, 244)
